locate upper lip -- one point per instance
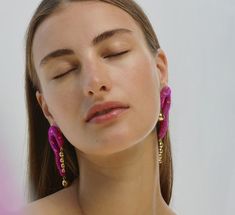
(103, 106)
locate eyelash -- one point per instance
(59, 76)
(116, 54)
(109, 56)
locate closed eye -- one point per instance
(116, 54)
(65, 73)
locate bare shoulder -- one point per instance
(41, 206)
(61, 202)
(48, 205)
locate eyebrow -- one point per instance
(98, 39)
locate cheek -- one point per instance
(64, 104)
(144, 82)
(143, 90)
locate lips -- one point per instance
(103, 108)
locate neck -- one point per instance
(126, 182)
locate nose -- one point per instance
(97, 81)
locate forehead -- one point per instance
(77, 23)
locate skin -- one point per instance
(119, 172)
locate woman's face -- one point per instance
(88, 72)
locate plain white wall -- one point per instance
(198, 38)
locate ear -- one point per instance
(162, 65)
(42, 102)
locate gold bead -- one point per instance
(63, 170)
(62, 166)
(161, 117)
(64, 182)
(62, 160)
(160, 151)
(61, 154)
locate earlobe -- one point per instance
(162, 65)
(42, 102)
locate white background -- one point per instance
(198, 38)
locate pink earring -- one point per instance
(165, 96)
(56, 142)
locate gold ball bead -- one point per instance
(161, 117)
(64, 183)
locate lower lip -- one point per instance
(115, 113)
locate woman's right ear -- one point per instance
(42, 102)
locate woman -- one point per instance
(98, 104)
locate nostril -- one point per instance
(103, 87)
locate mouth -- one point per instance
(105, 111)
(107, 115)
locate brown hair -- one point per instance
(42, 173)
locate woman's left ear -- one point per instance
(162, 67)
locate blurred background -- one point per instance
(198, 38)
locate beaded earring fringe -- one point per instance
(56, 142)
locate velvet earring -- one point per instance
(56, 142)
(165, 96)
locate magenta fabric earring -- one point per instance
(56, 142)
(165, 97)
